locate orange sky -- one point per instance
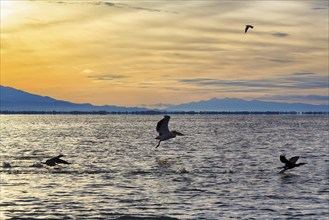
(142, 53)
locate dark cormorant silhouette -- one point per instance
(289, 164)
(56, 160)
(247, 27)
(163, 130)
(6, 165)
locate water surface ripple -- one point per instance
(226, 167)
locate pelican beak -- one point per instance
(178, 133)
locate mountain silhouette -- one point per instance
(233, 104)
(12, 99)
(16, 100)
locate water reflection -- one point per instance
(227, 169)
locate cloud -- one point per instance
(280, 60)
(120, 5)
(290, 82)
(320, 99)
(320, 5)
(87, 71)
(7, 36)
(109, 4)
(280, 34)
(158, 105)
(107, 77)
(303, 73)
(319, 8)
(277, 59)
(308, 82)
(123, 5)
(114, 5)
(208, 42)
(200, 81)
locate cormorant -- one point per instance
(289, 164)
(6, 165)
(56, 160)
(247, 27)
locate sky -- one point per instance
(160, 52)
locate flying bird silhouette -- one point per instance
(289, 164)
(56, 160)
(247, 27)
(163, 130)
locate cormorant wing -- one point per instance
(50, 162)
(283, 159)
(58, 160)
(62, 161)
(293, 159)
(245, 30)
(247, 27)
(162, 126)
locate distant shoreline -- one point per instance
(161, 113)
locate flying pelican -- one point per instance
(289, 164)
(56, 160)
(164, 133)
(247, 27)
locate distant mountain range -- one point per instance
(16, 100)
(231, 104)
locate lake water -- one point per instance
(226, 167)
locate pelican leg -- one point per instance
(158, 144)
(282, 171)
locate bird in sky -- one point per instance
(56, 160)
(163, 130)
(247, 27)
(289, 164)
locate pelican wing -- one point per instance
(245, 30)
(162, 126)
(283, 159)
(293, 160)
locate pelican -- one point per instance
(164, 133)
(56, 160)
(289, 164)
(247, 27)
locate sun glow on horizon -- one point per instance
(143, 53)
(6, 8)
